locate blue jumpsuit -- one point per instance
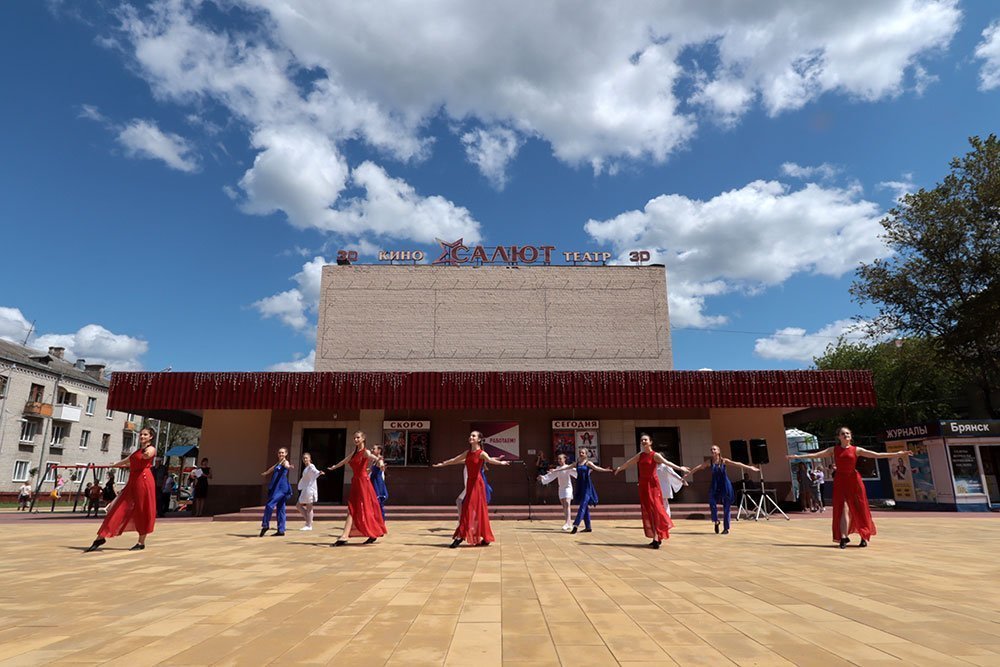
(721, 491)
(377, 476)
(278, 493)
(585, 493)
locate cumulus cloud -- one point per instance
(746, 239)
(92, 342)
(601, 83)
(899, 188)
(296, 307)
(988, 50)
(143, 139)
(299, 364)
(492, 150)
(795, 344)
(823, 172)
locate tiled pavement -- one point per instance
(927, 592)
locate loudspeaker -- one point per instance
(738, 451)
(758, 451)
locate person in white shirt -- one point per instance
(670, 483)
(308, 490)
(23, 497)
(565, 475)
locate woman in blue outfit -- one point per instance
(585, 493)
(377, 475)
(721, 490)
(278, 493)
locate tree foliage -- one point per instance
(942, 284)
(911, 385)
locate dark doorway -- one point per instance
(326, 445)
(666, 441)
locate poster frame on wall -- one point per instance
(966, 484)
(500, 438)
(900, 474)
(399, 435)
(570, 435)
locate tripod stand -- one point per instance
(766, 505)
(531, 485)
(748, 504)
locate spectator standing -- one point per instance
(23, 497)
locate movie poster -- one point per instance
(589, 440)
(418, 448)
(920, 470)
(563, 442)
(394, 447)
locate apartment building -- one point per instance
(56, 411)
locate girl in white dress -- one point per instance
(565, 474)
(308, 490)
(670, 483)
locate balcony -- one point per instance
(67, 413)
(35, 409)
(130, 427)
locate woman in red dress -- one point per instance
(656, 522)
(474, 522)
(135, 507)
(364, 514)
(850, 501)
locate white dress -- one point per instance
(565, 478)
(308, 490)
(670, 483)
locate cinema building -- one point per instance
(542, 358)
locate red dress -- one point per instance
(135, 507)
(848, 488)
(474, 524)
(656, 522)
(362, 504)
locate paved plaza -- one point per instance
(927, 592)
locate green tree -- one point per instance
(911, 385)
(942, 283)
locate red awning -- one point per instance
(143, 392)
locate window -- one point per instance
(105, 442)
(128, 441)
(3, 385)
(121, 475)
(130, 418)
(110, 415)
(29, 429)
(84, 439)
(36, 394)
(58, 433)
(50, 475)
(66, 397)
(21, 471)
(91, 405)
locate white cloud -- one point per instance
(299, 364)
(988, 50)
(823, 172)
(92, 342)
(91, 112)
(14, 327)
(297, 307)
(599, 82)
(143, 139)
(492, 149)
(795, 344)
(901, 187)
(746, 239)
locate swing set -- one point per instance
(93, 469)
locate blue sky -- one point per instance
(175, 174)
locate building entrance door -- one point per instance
(991, 471)
(666, 441)
(327, 447)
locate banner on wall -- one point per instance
(920, 470)
(500, 438)
(900, 473)
(965, 470)
(569, 436)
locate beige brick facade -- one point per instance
(437, 318)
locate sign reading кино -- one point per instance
(457, 253)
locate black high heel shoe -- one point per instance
(573, 532)
(864, 543)
(339, 543)
(484, 543)
(655, 544)
(716, 527)
(455, 543)
(263, 532)
(138, 547)
(843, 542)
(370, 540)
(95, 546)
